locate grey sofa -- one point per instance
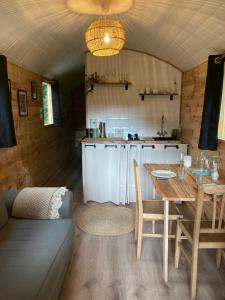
(34, 254)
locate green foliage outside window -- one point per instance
(47, 103)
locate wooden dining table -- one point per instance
(173, 189)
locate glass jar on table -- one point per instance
(181, 169)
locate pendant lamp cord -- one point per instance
(105, 7)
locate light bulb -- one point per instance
(106, 38)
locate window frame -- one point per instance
(50, 104)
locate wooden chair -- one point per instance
(151, 210)
(201, 233)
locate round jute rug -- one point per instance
(107, 221)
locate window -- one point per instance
(47, 103)
(221, 128)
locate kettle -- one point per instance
(102, 129)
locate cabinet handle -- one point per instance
(123, 146)
(106, 146)
(131, 146)
(148, 146)
(171, 146)
(90, 146)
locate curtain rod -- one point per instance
(218, 59)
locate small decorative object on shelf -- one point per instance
(148, 91)
(105, 80)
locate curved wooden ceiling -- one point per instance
(46, 37)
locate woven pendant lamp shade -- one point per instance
(105, 37)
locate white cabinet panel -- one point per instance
(109, 168)
(91, 176)
(133, 153)
(104, 177)
(147, 155)
(108, 172)
(157, 154)
(172, 152)
(123, 166)
(154, 154)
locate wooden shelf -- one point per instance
(157, 94)
(125, 84)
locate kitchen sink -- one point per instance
(164, 138)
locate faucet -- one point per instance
(162, 132)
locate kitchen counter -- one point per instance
(108, 163)
(122, 141)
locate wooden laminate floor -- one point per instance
(106, 268)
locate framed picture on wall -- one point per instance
(34, 90)
(22, 103)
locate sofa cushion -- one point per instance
(28, 253)
(3, 213)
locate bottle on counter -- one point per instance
(214, 171)
(102, 130)
(201, 161)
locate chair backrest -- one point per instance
(218, 204)
(137, 177)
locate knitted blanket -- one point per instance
(38, 203)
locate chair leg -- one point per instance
(177, 245)
(139, 240)
(218, 257)
(153, 226)
(170, 227)
(136, 226)
(194, 269)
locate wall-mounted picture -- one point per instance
(34, 90)
(22, 103)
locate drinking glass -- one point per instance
(182, 172)
(187, 161)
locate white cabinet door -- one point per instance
(113, 160)
(109, 167)
(123, 166)
(133, 153)
(154, 154)
(90, 174)
(104, 177)
(108, 172)
(158, 155)
(146, 156)
(172, 152)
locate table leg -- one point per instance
(153, 192)
(153, 196)
(166, 240)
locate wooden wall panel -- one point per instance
(41, 150)
(193, 88)
(78, 107)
